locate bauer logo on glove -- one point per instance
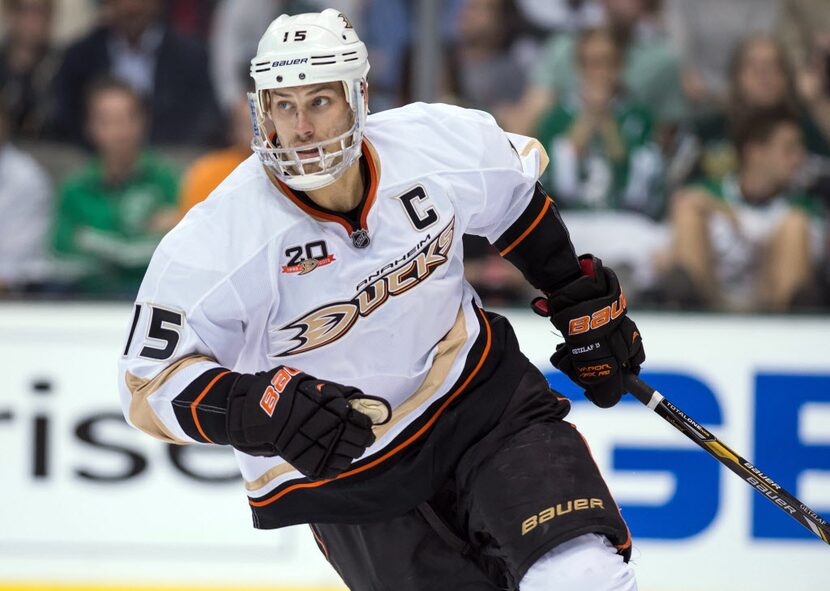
(269, 399)
(601, 342)
(599, 318)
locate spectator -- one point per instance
(605, 169)
(760, 78)
(484, 72)
(804, 30)
(25, 203)
(706, 33)
(27, 64)
(190, 17)
(600, 143)
(750, 241)
(479, 71)
(805, 33)
(208, 171)
(540, 18)
(651, 70)
(168, 71)
(74, 18)
(113, 212)
(562, 15)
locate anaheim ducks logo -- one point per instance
(308, 265)
(331, 322)
(323, 326)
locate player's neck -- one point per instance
(342, 195)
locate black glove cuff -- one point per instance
(236, 404)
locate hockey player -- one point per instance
(313, 315)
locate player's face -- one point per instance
(304, 115)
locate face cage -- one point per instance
(287, 164)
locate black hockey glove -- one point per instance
(601, 342)
(314, 425)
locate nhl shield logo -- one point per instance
(360, 238)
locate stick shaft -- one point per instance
(721, 452)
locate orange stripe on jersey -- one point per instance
(535, 223)
(312, 210)
(402, 445)
(195, 404)
(374, 180)
(369, 155)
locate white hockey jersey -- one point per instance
(258, 276)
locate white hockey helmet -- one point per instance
(310, 48)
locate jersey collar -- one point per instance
(353, 224)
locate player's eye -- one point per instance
(320, 101)
(283, 105)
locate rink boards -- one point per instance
(90, 504)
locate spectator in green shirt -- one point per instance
(750, 241)
(761, 77)
(605, 170)
(113, 212)
(650, 72)
(600, 143)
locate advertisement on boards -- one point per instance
(90, 501)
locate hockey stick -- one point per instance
(752, 475)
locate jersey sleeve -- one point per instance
(499, 196)
(187, 328)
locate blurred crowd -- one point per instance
(689, 140)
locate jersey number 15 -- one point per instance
(163, 332)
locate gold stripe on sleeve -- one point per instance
(544, 160)
(142, 414)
